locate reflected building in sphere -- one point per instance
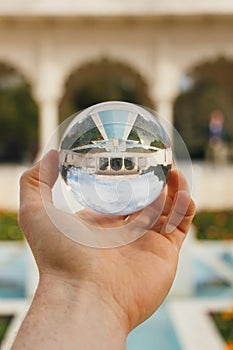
(115, 147)
(117, 163)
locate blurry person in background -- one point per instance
(217, 150)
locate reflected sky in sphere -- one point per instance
(115, 158)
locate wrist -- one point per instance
(65, 314)
(91, 308)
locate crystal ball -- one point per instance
(115, 158)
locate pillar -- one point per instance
(48, 99)
(164, 89)
(48, 90)
(164, 106)
(49, 121)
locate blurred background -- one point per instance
(57, 57)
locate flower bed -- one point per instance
(214, 225)
(224, 323)
(9, 228)
(4, 323)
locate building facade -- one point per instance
(49, 40)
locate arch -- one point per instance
(23, 64)
(18, 117)
(202, 58)
(207, 93)
(102, 80)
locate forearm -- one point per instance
(69, 317)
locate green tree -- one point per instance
(18, 119)
(212, 89)
(100, 81)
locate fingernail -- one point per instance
(170, 228)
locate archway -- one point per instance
(206, 93)
(18, 118)
(103, 80)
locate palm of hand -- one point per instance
(137, 276)
(134, 276)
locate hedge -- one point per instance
(214, 225)
(9, 228)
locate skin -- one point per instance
(90, 298)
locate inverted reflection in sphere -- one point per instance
(115, 158)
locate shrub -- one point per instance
(9, 228)
(214, 225)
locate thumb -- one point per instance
(38, 181)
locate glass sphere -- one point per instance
(115, 158)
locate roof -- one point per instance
(116, 8)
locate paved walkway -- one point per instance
(193, 326)
(18, 308)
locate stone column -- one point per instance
(48, 89)
(49, 121)
(165, 88)
(164, 107)
(48, 96)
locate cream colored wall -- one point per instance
(211, 186)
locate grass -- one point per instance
(4, 323)
(214, 225)
(9, 228)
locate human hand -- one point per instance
(130, 281)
